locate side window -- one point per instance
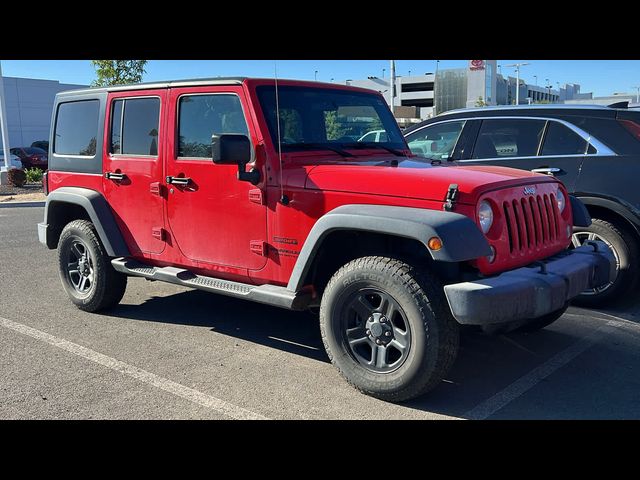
(76, 128)
(560, 140)
(435, 142)
(200, 116)
(508, 138)
(134, 126)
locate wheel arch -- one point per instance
(613, 211)
(407, 228)
(72, 203)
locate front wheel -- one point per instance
(85, 270)
(625, 249)
(387, 328)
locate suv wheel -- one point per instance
(387, 328)
(624, 246)
(85, 268)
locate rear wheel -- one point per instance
(387, 328)
(624, 246)
(85, 268)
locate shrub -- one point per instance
(34, 175)
(17, 177)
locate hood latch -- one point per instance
(450, 199)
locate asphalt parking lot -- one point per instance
(171, 353)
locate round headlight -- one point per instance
(485, 216)
(561, 200)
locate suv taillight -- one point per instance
(632, 127)
(45, 183)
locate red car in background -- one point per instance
(32, 157)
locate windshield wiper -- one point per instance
(319, 146)
(397, 153)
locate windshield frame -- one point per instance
(389, 124)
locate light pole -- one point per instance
(637, 87)
(517, 67)
(315, 75)
(536, 77)
(383, 72)
(3, 121)
(392, 82)
(548, 87)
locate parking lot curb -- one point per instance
(21, 204)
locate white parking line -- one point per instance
(219, 406)
(531, 379)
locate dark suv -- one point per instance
(593, 150)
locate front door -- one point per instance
(133, 164)
(213, 217)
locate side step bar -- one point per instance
(268, 294)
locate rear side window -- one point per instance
(134, 126)
(200, 116)
(508, 138)
(76, 128)
(560, 140)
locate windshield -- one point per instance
(325, 118)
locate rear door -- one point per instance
(133, 167)
(546, 145)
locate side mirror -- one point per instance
(234, 149)
(230, 149)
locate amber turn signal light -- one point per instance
(434, 243)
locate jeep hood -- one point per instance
(413, 178)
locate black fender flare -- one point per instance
(461, 238)
(99, 212)
(624, 209)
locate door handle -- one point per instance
(180, 181)
(549, 171)
(115, 176)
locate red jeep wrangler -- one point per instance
(266, 190)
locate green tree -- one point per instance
(118, 72)
(333, 127)
(480, 102)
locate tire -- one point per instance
(104, 287)
(541, 322)
(419, 318)
(625, 248)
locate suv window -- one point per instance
(76, 128)
(436, 141)
(508, 138)
(561, 140)
(200, 116)
(134, 128)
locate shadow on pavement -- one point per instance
(293, 332)
(485, 365)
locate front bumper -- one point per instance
(533, 291)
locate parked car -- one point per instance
(32, 157)
(14, 160)
(43, 144)
(594, 150)
(233, 187)
(376, 136)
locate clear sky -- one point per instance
(602, 77)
